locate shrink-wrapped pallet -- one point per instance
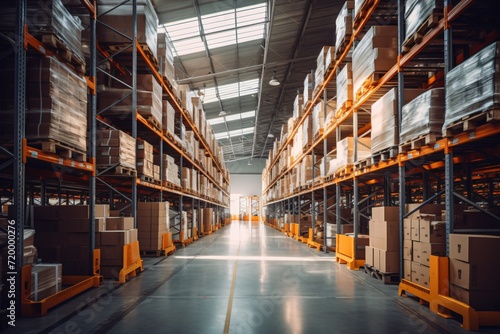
(307, 134)
(57, 103)
(297, 106)
(115, 147)
(375, 53)
(344, 86)
(46, 280)
(473, 86)
(318, 116)
(384, 119)
(308, 90)
(423, 115)
(343, 25)
(165, 55)
(120, 19)
(358, 5)
(346, 150)
(417, 12)
(321, 65)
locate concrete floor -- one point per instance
(246, 278)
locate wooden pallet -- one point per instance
(154, 122)
(119, 170)
(328, 178)
(152, 253)
(362, 164)
(147, 178)
(62, 150)
(368, 84)
(206, 233)
(415, 38)
(345, 170)
(471, 122)
(125, 48)
(342, 46)
(384, 155)
(386, 278)
(362, 12)
(344, 107)
(56, 46)
(421, 141)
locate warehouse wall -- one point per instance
(246, 184)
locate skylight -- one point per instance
(233, 90)
(234, 133)
(221, 29)
(232, 117)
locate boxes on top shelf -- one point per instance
(297, 106)
(343, 27)
(115, 147)
(375, 54)
(423, 116)
(344, 87)
(121, 19)
(56, 104)
(322, 66)
(473, 87)
(318, 112)
(417, 13)
(165, 55)
(384, 119)
(307, 94)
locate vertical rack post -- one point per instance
(338, 191)
(325, 194)
(134, 104)
(355, 186)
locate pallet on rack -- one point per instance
(344, 171)
(153, 121)
(364, 163)
(471, 122)
(421, 141)
(147, 178)
(429, 24)
(119, 170)
(342, 46)
(62, 150)
(57, 47)
(328, 178)
(362, 12)
(368, 84)
(384, 155)
(386, 278)
(125, 48)
(342, 109)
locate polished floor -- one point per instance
(246, 278)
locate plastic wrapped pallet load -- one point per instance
(417, 12)
(344, 86)
(375, 53)
(57, 104)
(343, 24)
(423, 115)
(46, 280)
(384, 119)
(348, 153)
(473, 86)
(318, 113)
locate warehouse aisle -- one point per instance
(246, 278)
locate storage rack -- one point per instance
(32, 176)
(423, 174)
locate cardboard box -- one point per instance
(428, 249)
(114, 238)
(475, 248)
(407, 270)
(100, 224)
(428, 209)
(112, 255)
(474, 276)
(385, 213)
(480, 300)
(416, 252)
(101, 210)
(384, 235)
(376, 258)
(407, 229)
(425, 276)
(74, 225)
(432, 231)
(119, 223)
(369, 255)
(415, 272)
(415, 230)
(407, 250)
(388, 262)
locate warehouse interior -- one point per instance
(252, 166)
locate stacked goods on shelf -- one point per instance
(63, 236)
(144, 158)
(118, 97)
(343, 27)
(474, 269)
(56, 21)
(383, 251)
(153, 221)
(170, 169)
(318, 116)
(307, 134)
(417, 14)
(30, 253)
(307, 94)
(473, 88)
(344, 87)
(115, 148)
(308, 170)
(424, 234)
(189, 143)
(423, 116)
(121, 20)
(375, 54)
(165, 57)
(168, 118)
(56, 104)
(384, 119)
(346, 152)
(156, 172)
(46, 280)
(323, 62)
(297, 106)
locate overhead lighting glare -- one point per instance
(222, 113)
(270, 135)
(274, 82)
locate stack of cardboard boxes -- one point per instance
(153, 221)
(343, 27)
(344, 87)
(323, 62)
(424, 235)
(170, 168)
(474, 270)
(207, 219)
(145, 159)
(115, 147)
(383, 251)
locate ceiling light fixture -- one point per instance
(222, 113)
(274, 81)
(270, 135)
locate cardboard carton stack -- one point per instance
(323, 62)
(417, 12)
(383, 251)
(344, 87)
(170, 168)
(115, 147)
(308, 90)
(46, 280)
(206, 219)
(346, 148)
(153, 220)
(297, 106)
(165, 56)
(318, 116)
(145, 158)
(376, 53)
(343, 27)
(168, 118)
(424, 235)
(474, 270)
